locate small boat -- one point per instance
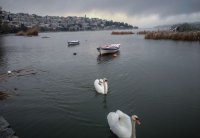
(74, 42)
(107, 49)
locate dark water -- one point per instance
(157, 80)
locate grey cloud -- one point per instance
(132, 8)
(129, 7)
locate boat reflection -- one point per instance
(107, 57)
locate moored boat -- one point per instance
(108, 49)
(74, 42)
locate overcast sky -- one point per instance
(142, 13)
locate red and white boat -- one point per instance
(107, 49)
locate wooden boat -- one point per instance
(73, 42)
(107, 49)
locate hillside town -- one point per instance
(13, 22)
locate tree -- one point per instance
(0, 19)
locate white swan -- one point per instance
(101, 85)
(121, 124)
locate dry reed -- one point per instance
(122, 33)
(184, 36)
(30, 32)
(142, 32)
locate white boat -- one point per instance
(74, 42)
(107, 49)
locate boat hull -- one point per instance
(109, 49)
(102, 51)
(70, 43)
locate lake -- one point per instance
(158, 80)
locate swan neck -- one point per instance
(133, 129)
(104, 87)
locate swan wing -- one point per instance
(113, 123)
(125, 123)
(99, 87)
(119, 124)
(122, 115)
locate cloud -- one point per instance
(135, 11)
(155, 19)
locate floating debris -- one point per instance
(5, 92)
(74, 53)
(3, 95)
(17, 73)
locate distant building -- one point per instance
(56, 23)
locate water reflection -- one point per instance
(73, 45)
(104, 99)
(163, 78)
(107, 57)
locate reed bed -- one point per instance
(122, 33)
(142, 32)
(184, 36)
(30, 32)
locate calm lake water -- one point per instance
(157, 80)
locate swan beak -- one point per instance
(138, 122)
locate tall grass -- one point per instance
(30, 32)
(142, 32)
(122, 33)
(184, 36)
